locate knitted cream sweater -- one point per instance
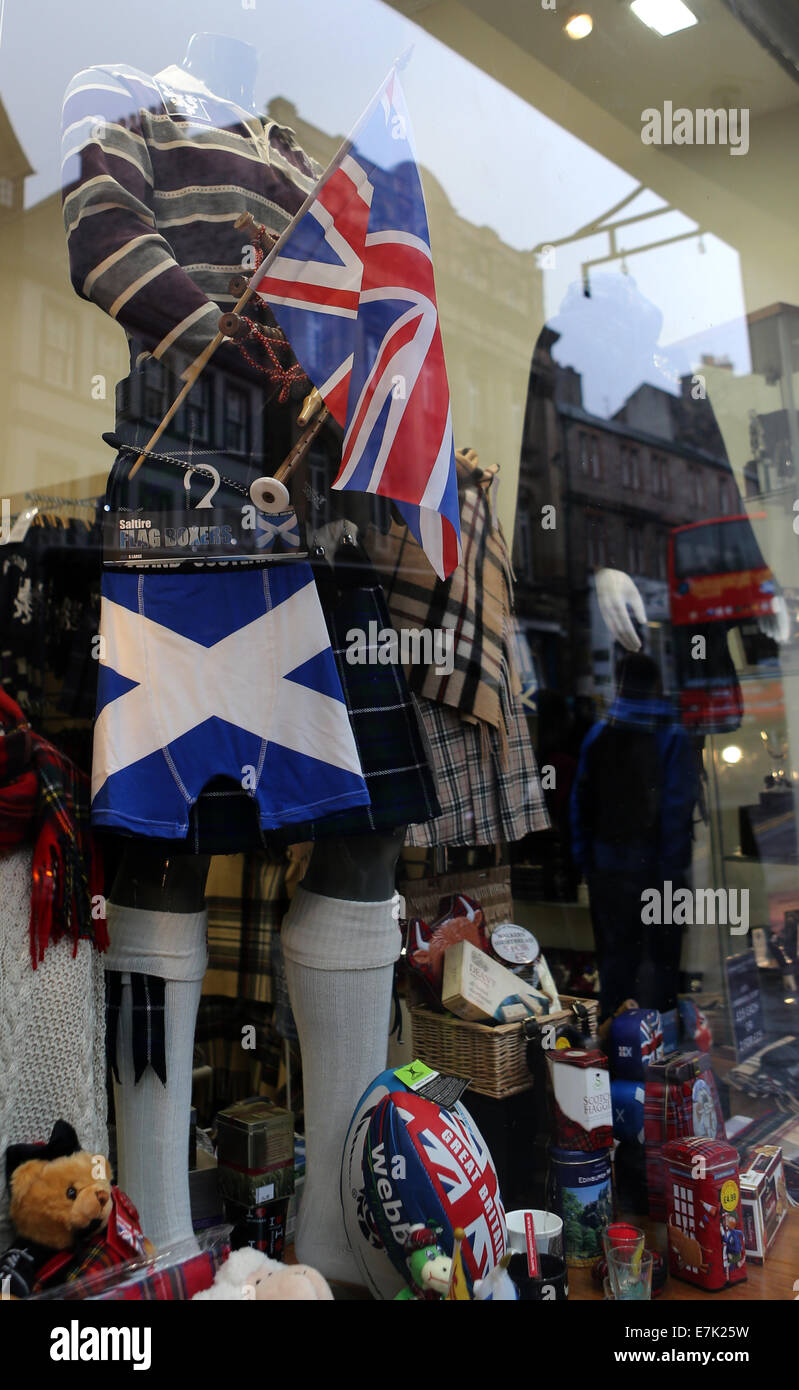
(52, 1031)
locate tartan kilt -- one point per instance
(389, 734)
(485, 799)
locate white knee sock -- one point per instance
(339, 959)
(152, 1118)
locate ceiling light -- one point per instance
(579, 26)
(664, 16)
(732, 753)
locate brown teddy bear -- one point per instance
(69, 1220)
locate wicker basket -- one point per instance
(491, 888)
(492, 1056)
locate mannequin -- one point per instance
(226, 66)
(340, 939)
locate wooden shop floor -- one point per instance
(777, 1279)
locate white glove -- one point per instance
(777, 623)
(614, 591)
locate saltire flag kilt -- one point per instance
(352, 287)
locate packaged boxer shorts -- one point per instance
(218, 673)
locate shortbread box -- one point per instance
(255, 1152)
(581, 1092)
(476, 987)
(764, 1200)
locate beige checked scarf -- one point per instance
(475, 602)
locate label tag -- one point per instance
(201, 535)
(532, 1249)
(442, 1090)
(415, 1074)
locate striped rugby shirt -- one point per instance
(155, 171)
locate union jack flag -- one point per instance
(352, 287)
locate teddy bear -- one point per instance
(249, 1274)
(69, 1219)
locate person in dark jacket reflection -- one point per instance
(631, 817)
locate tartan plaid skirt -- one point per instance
(485, 799)
(389, 733)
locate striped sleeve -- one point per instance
(117, 257)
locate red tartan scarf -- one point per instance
(45, 798)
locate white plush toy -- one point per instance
(248, 1274)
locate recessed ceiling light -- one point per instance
(732, 753)
(579, 26)
(664, 16)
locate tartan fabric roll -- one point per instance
(247, 899)
(485, 798)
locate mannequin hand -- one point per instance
(468, 457)
(777, 623)
(614, 591)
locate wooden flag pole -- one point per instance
(196, 368)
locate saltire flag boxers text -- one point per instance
(352, 287)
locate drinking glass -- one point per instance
(620, 1235)
(630, 1273)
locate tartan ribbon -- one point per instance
(148, 1019)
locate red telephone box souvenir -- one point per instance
(705, 1220)
(681, 1100)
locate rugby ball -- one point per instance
(384, 1274)
(424, 1165)
(379, 1274)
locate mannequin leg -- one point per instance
(158, 925)
(340, 941)
(616, 920)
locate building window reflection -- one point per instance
(58, 351)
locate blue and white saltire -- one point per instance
(218, 674)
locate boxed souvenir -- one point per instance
(681, 1100)
(636, 1039)
(207, 1208)
(627, 1099)
(703, 1206)
(764, 1200)
(669, 1019)
(478, 988)
(255, 1152)
(581, 1095)
(262, 1228)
